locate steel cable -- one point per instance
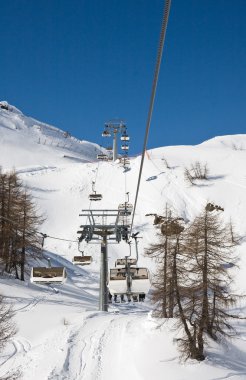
(152, 98)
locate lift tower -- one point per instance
(114, 127)
(104, 227)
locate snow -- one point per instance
(61, 333)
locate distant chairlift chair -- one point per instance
(124, 137)
(102, 157)
(125, 208)
(83, 259)
(94, 196)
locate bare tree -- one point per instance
(206, 291)
(165, 253)
(7, 331)
(193, 277)
(195, 172)
(19, 222)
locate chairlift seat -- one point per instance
(95, 197)
(42, 275)
(82, 260)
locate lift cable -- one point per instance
(56, 238)
(152, 99)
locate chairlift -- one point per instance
(102, 157)
(94, 196)
(42, 275)
(125, 137)
(125, 147)
(124, 160)
(109, 148)
(106, 133)
(136, 279)
(82, 260)
(125, 208)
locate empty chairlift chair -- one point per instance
(94, 196)
(42, 275)
(102, 157)
(82, 259)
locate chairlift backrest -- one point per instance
(122, 262)
(118, 274)
(139, 273)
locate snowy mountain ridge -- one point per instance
(61, 333)
(26, 137)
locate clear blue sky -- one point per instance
(78, 63)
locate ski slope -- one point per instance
(61, 334)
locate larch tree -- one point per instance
(164, 251)
(207, 251)
(19, 223)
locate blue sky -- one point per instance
(78, 63)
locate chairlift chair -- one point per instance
(94, 196)
(125, 208)
(102, 157)
(106, 133)
(125, 137)
(139, 282)
(124, 147)
(82, 260)
(42, 275)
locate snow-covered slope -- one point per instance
(61, 333)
